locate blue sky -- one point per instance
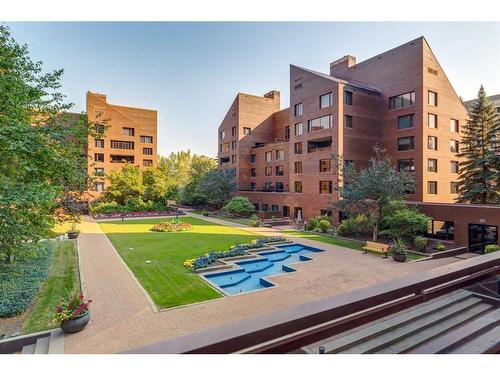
(190, 72)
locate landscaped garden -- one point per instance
(157, 258)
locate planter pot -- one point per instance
(73, 235)
(76, 325)
(399, 257)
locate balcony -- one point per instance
(320, 144)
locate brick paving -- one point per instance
(122, 317)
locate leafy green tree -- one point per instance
(479, 180)
(369, 190)
(125, 184)
(404, 223)
(218, 187)
(240, 206)
(42, 157)
(156, 185)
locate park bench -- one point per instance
(377, 248)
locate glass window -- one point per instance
(325, 100)
(274, 208)
(298, 109)
(147, 163)
(298, 186)
(348, 121)
(99, 143)
(268, 156)
(253, 186)
(432, 165)
(146, 139)
(247, 131)
(441, 229)
(319, 123)
(268, 171)
(253, 172)
(268, 185)
(454, 147)
(222, 134)
(453, 187)
(298, 148)
(99, 157)
(233, 159)
(454, 166)
(298, 167)
(280, 154)
(287, 133)
(325, 165)
(280, 170)
(299, 128)
(406, 143)
(325, 187)
(432, 120)
(432, 187)
(405, 122)
(128, 131)
(432, 98)
(122, 145)
(253, 158)
(99, 171)
(265, 207)
(233, 131)
(348, 97)
(147, 151)
(403, 100)
(432, 143)
(454, 126)
(99, 186)
(280, 186)
(406, 165)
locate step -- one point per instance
(456, 337)
(481, 344)
(56, 343)
(375, 328)
(28, 349)
(408, 329)
(42, 345)
(425, 335)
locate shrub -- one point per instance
(324, 225)
(404, 223)
(399, 247)
(312, 224)
(491, 249)
(240, 206)
(355, 226)
(131, 205)
(174, 225)
(255, 223)
(420, 243)
(439, 246)
(20, 282)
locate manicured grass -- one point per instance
(166, 280)
(325, 239)
(63, 277)
(238, 220)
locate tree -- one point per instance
(480, 147)
(240, 206)
(369, 190)
(218, 187)
(42, 157)
(404, 223)
(156, 185)
(125, 184)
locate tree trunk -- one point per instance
(375, 232)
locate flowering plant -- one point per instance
(71, 308)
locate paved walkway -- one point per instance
(122, 317)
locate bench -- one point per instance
(377, 248)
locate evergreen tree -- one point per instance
(480, 150)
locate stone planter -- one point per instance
(77, 324)
(73, 235)
(399, 257)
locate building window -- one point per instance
(325, 100)
(129, 131)
(233, 131)
(220, 148)
(147, 151)
(319, 123)
(453, 187)
(348, 121)
(406, 122)
(253, 158)
(280, 154)
(280, 170)
(432, 98)
(265, 207)
(325, 165)
(406, 165)
(99, 143)
(268, 171)
(122, 145)
(299, 129)
(233, 159)
(122, 159)
(147, 163)
(406, 143)
(257, 206)
(348, 97)
(99, 158)
(225, 147)
(274, 208)
(99, 171)
(454, 126)
(298, 109)
(325, 187)
(454, 166)
(100, 129)
(253, 186)
(432, 187)
(280, 186)
(99, 186)
(268, 156)
(432, 120)
(432, 165)
(253, 172)
(298, 148)
(146, 139)
(222, 134)
(297, 186)
(247, 131)
(233, 145)
(298, 167)
(432, 143)
(287, 133)
(403, 100)
(268, 186)
(454, 146)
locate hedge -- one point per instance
(20, 282)
(133, 205)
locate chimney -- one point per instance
(341, 65)
(273, 94)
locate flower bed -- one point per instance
(236, 250)
(172, 226)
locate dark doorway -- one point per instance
(286, 211)
(481, 235)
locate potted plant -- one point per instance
(399, 250)
(73, 313)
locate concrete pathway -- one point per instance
(123, 318)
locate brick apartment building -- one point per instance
(130, 137)
(401, 99)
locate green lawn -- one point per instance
(238, 220)
(166, 280)
(326, 239)
(63, 277)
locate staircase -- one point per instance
(461, 322)
(47, 342)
